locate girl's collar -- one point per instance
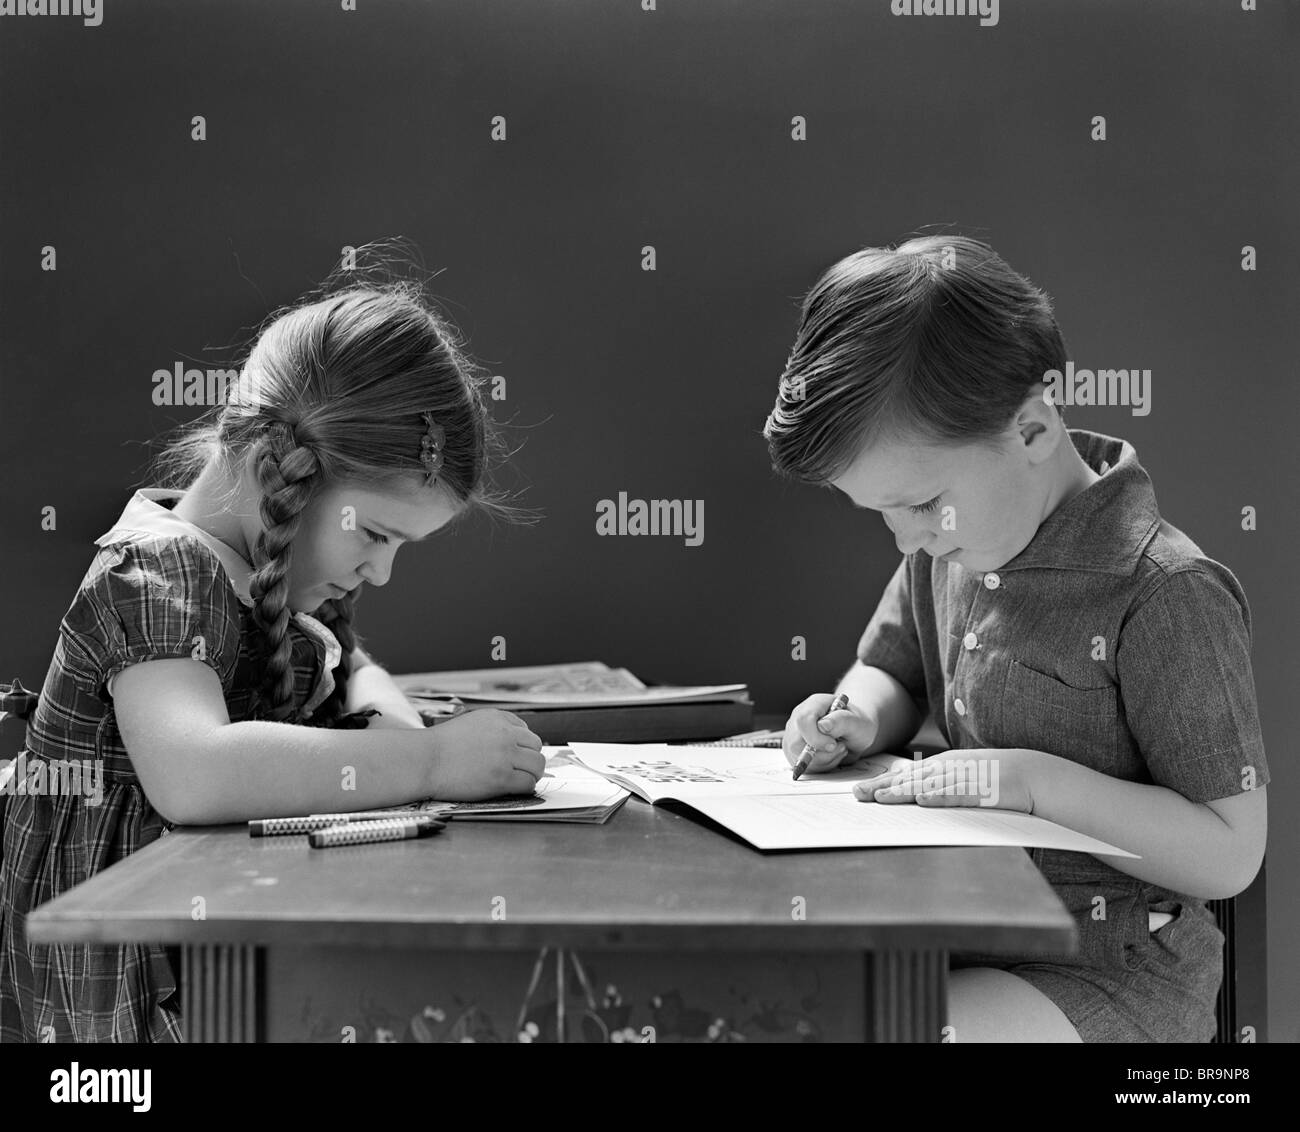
(146, 514)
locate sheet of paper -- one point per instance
(840, 821)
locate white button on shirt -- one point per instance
(970, 640)
(992, 581)
(961, 707)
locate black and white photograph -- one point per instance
(648, 522)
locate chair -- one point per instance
(1225, 1010)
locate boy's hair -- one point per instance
(332, 391)
(935, 341)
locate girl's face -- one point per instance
(965, 503)
(350, 535)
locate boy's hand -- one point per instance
(837, 739)
(1000, 779)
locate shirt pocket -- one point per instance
(1042, 713)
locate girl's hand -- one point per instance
(483, 753)
(837, 739)
(992, 778)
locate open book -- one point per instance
(752, 793)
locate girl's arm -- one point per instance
(199, 768)
(1211, 850)
(371, 686)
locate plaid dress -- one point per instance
(158, 588)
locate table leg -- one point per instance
(221, 993)
(906, 995)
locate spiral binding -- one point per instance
(750, 739)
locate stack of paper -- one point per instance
(587, 701)
(586, 684)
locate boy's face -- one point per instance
(967, 504)
(335, 548)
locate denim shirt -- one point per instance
(1110, 640)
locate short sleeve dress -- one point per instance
(158, 588)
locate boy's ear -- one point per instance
(1038, 422)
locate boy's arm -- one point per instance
(371, 686)
(1188, 698)
(892, 704)
(1212, 850)
(890, 659)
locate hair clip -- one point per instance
(431, 447)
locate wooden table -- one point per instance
(255, 917)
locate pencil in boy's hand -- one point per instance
(367, 832)
(806, 757)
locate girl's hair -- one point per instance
(332, 392)
(935, 341)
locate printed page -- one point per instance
(751, 791)
(656, 771)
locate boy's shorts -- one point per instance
(1128, 983)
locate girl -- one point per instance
(1082, 655)
(208, 663)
